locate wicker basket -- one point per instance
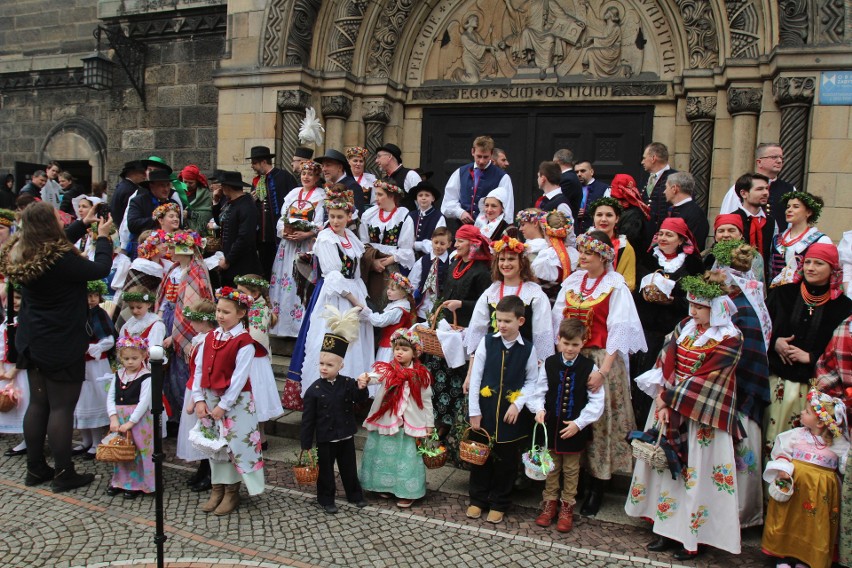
(474, 452)
(654, 295)
(213, 242)
(429, 337)
(306, 472)
(117, 450)
(652, 454)
(432, 462)
(538, 471)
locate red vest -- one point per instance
(384, 338)
(219, 364)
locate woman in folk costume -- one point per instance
(357, 157)
(388, 233)
(82, 205)
(802, 211)
(804, 316)
(512, 276)
(167, 217)
(531, 224)
(302, 218)
(556, 262)
(12, 378)
(338, 252)
(660, 302)
(694, 501)
(635, 212)
(199, 209)
(186, 283)
(802, 527)
(728, 228)
(491, 221)
(597, 295)
(221, 390)
(146, 270)
(606, 214)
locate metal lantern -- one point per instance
(97, 71)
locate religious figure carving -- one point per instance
(604, 53)
(477, 59)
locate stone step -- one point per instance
(280, 365)
(282, 345)
(289, 425)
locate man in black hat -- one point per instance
(270, 186)
(335, 169)
(155, 191)
(132, 174)
(426, 216)
(238, 217)
(389, 159)
(300, 156)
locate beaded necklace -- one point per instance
(218, 344)
(788, 243)
(503, 285)
(459, 273)
(126, 385)
(347, 244)
(812, 301)
(384, 219)
(308, 196)
(586, 292)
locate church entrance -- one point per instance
(612, 138)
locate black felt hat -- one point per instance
(258, 152)
(133, 166)
(393, 150)
(157, 175)
(335, 156)
(302, 152)
(334, 344)
(232, 179)
(426, 186)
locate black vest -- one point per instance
(548, 204)
(504, 372)
(566, 397)
(424, 226)
(398, 179)
(774, 208)
(128, 396)
(425, 267)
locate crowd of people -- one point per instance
(713, 366)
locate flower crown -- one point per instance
(388, 187)
(530, 216)
(556, 232)
(96, 287)
(508, 243)
(588, 243)
(161, 210)
(818, 401)
(228, 293)
(340, 199)
(145, 297)
(157, 237)
(357, 151)
(253, 282)
(185, 238)
(132, 342)
(402, 282)
(312, 167)
(808, 200)
(7, 217)
(198, 316)
(699, 289)
(407, 335)
(609, 201)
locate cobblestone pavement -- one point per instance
(284, 528)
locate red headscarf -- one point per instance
(729, 219)
(480, 246)
(678, 225)
(827, 253)
(191, 172)
(624, 189)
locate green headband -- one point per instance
(254, 282)
(808, 200)
(145, 297)
(96, 287)
(198, 316)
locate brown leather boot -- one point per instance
(566, 518)
(230, 501)
(548, 513)
(216, 495)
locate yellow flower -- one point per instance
(485, 392)
(512, 396)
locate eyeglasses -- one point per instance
(773, 158)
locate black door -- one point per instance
(611, 138)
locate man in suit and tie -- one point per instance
(655, 161)
(592, 191)
(569, 182)
(678, 193)
(769, 159)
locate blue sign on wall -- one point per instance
(835, 88)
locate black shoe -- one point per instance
(593, 502)
(193, 479)
(661, 544)
(113, 491)
(202, 485)
(68, 479)
(89, 456)
(12, 452)
(330, 509)
(264, 446)
(39, 475)
(360, 504)
(684, 554)
(131, 495)
(80, 450)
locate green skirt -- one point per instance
(390, 464)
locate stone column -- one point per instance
(376, 114)
(744, 107)
(701, 114)
(291, 107)
(794, 96)
(335, 110)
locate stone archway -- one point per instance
(77, 139)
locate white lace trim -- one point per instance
(667, 265)
(626, 337)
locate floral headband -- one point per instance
(388, 187)
(357, 151)
(402, 282)
(252, 282)
(161, 211)
(344, 199)
(608, 201)
(808, 200)
(228, 293)
(185, 238)
(407, 335)
(144, 297)
(7, 217)
(557, 232)
(148, 248)
(530, 216)
(591, 244)
(132, 342)
(311, 167)
(818, 401)
(198, 316)
(96, 287)
(510, 244)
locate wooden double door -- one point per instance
(612, 138)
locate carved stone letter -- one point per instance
(794, 96)
(701, 113)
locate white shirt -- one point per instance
(529, 389)
(427, 301)
(591, 412)
(241, 371)
(563, 207)
(451, 207)
(136, 326)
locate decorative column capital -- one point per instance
(701, 108)
(377, 111)
(293, 100)
(794, 90)
(744, 100)
(336, 106)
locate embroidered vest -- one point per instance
(426, 267)
(348, 265)
(504, 373)
(219, 364)
(129, 394)
(593, 313)
(779, 252)
(690, 359)
(424, 226)
(384, 337)
(567, 396)
(390, 235)
(488, 180)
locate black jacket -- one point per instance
(140, 209)
(572, 189)
(120, 198)
(696, 220)
(66, 204)
(658, 204)
(329, 410)
(7, 199)
(238, 220)
(269, 209)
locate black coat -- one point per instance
(329, 410)
(596, 190)
(696, 220)
(658, 204)
(238, 220)
(140, 209)
(7, 199)
(120, 198)
(572, 189)
(269, 212)
(66, 204)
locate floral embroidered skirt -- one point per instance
(283, 288)
(787, 401)
(700, 506)
(137, 475)
(240, 429)
(391, 465)
(805, 527)
(749, 480)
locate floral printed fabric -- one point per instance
(845, 547)
(747, 454)
(391, 465)
(239, 427)
(137, 475)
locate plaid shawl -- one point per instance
(752, 373)
(834, 367)
(194, 287)
(100, 325)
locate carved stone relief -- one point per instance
(344, 35)
(744, 101)
(336, 106)
(832, 17)
(794, 96)
(701, 112)
(273, 33)
(811, 22)
(301, 32)
(701, 37)
(293, 100)
(744, 25)
(700, 108)
(386, 36)
(794, 90)
(793, 22)
(376, 111)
